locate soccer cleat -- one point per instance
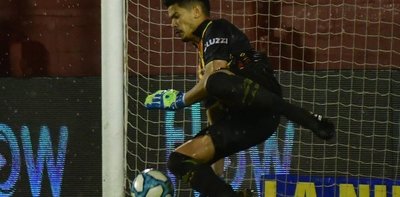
(325, 129)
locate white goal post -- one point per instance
(112, 96)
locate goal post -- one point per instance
(112, 97)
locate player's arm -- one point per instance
(174, 100)
(217, 55)
(198, 92)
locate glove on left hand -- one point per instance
(165, 99)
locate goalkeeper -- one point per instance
(242, 97)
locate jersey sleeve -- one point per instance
(216, 43)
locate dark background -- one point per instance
(297, 35)
(50, 38)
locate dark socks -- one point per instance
(201, 177)
(207, 182)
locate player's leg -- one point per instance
(236, 132)
(214, 113)
(245, 93)
(190, 162)
(218, 168)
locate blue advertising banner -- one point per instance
(50, 137)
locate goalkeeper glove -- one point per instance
(165, 99)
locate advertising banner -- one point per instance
(362, 104)
(50, 137)
(329, 186)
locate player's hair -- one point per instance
(205, 4)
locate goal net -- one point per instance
(339, 58)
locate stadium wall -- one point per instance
(296, 34)
(69, 31)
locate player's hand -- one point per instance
(165, 99)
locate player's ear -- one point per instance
(197, 11)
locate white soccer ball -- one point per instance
(152, 183)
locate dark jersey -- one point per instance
(221, 40)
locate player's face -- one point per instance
(183, 21)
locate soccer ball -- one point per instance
(152, 183)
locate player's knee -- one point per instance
(180, 164)
(221, 85)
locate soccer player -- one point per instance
(242, 97)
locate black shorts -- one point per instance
(258, 73)
(239, 131)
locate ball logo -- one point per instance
(35, 160)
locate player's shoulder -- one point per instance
(218, 28)
(222, 21)
(221, 24)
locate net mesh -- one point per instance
(339, 58)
